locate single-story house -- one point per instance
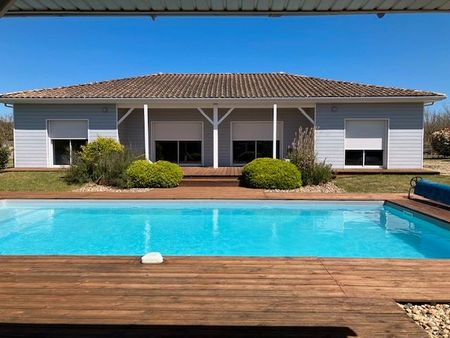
(223, 119)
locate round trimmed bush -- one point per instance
(440, 141)
(269, 173)
(161, 174)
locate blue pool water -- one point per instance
(235, 228)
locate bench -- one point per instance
(434, 191)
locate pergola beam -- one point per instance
(5, 5)
(125, 116)
(305, 114)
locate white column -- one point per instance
(274, 144)
(146, 143)
(215, 136)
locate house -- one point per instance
(223, 119)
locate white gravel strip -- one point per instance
(329, 187)
(92, 187)
(434, 319)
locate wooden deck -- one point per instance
(214, 297)
(212, 172)
(63, 296)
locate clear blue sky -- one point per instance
(411, 51)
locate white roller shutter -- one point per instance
(68, 129)
(365, 134)
(255, 131)
(177, 131)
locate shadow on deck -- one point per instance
(141, 331)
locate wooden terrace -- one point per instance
(214, 296)
(96, 296)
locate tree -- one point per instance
(6, 129)
(435, 121)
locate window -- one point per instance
(181, 152)
(64, 150)
(190, 152)
(167, 151)
(354, 157)
(247, 151)
(66, 138)
(364, 157)
(365, 142)
(373, 157)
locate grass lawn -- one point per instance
(381, 183)
(53, 181)
(34, 181)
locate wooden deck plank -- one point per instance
(212, 172)
(217, 292)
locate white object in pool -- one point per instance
(152, 258)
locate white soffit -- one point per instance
(214, 7)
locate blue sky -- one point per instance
(411, 51)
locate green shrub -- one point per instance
(101, 147)
(301, 153)
(4, 157)
(139, 174)
(268, 173)
(161, 174)
(440, 141)
(321, 173)
(103, 161)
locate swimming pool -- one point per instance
(217, 228)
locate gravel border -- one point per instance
(329, 187)
(433, 318)
(92, 187)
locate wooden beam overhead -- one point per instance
(5, 5)
(154, 8)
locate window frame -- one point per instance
(153, 140)
(70, 140)
(49, 144)
(280, 127)
(364, 165)
(256, 150)
(385, 144)
(183, 164)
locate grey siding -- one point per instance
(30, 140)
(131, 131)
(404, 148)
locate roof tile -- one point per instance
(187, 86)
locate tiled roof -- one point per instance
(233, 86)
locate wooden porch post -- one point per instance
(146, 142)
(216, 136)
(274, 140)
(215, 122)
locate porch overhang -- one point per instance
(275, 8)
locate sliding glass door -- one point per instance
(181, 152)
(247, 151)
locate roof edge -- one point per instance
(311, 100)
